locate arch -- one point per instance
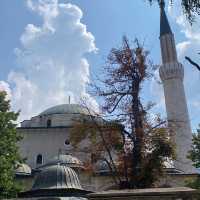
(48, 123)
(67, 142)
(39, 159)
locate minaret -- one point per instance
(172, 74)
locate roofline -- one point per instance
(52, 127)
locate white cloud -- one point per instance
(182, 48)
(51, 60)
(156, 89)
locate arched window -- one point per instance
(67, 142)
(39, 159)
(48, 123)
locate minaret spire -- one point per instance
(164, 24)
(168, 49)
(162, 3)
(172, 75)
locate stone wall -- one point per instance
(176, 180)
(44, 141)
(48, 142)
(181, 193)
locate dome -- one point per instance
(57, 177)
(101, 167)
(69, 160)
(66, 109)
(63, 159)
(23, 169)
(56, 181)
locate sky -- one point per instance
(52, 49)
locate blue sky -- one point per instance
(41, 61)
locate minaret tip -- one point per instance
(164, 24)
(162, 4)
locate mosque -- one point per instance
(46, 136)
(46, 141)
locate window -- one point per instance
(48, 123)
(39, 159)
(67, 142)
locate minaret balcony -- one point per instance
(171, 71)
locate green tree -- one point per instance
(8, 149)
(194, 155)
(142, 164)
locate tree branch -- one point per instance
(192, 62)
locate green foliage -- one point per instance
(8, 149)
(159, 150)
(194, 154)
(193, 183)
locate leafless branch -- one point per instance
(192, 62)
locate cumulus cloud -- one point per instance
(157, 92)
(51, 63)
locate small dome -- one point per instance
(66, 109)
(101, 167)
(23, 169)
(63, 159)
(69, 160)
(57, 177)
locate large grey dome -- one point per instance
(57, 177)
(56, 181)
(66, 109)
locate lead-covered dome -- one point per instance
(56, 181)
(66, 109)
(57, 177)
(62, 115)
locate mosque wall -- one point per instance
(47, 142)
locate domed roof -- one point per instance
(69, 160)
(63, 159)
(66, 109)
(23, 169)
(57, 177)
(101, 167)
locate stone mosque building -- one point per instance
(46, 136)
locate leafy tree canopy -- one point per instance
(8, 149)
(194, 154)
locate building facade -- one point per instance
(47, 135)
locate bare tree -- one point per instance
(124, 74)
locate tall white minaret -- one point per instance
(172, 74)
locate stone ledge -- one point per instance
(146, 193)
